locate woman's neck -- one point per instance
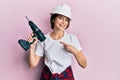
(57, 34)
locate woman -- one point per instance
(58, 48)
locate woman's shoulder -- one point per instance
(47, 34)
(70, 35)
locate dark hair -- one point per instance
(53, 16)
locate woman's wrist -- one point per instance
(76, 52)
(32, 49)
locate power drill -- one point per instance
(37, 33)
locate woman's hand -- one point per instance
(69, 48)
(31, 39)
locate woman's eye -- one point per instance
(60, 17)
(66, 20)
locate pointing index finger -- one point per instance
(63, 43)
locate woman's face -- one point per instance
(61, 22)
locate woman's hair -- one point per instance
(52, 18)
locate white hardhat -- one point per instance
(62, 9)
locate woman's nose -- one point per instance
(63, 20)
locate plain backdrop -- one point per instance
(96, 23)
